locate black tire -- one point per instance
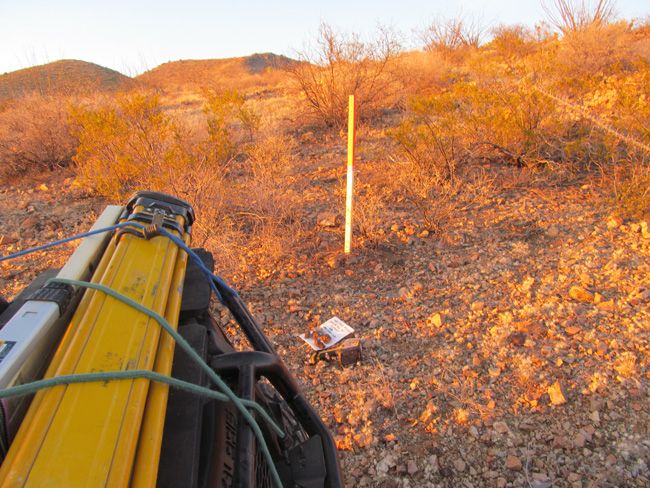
(284, 416)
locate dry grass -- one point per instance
(630, 186)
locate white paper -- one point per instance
(334, 327)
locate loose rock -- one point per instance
(386, 463)
(411, 467)
(435, 319)
(614, 222)
(513, 463)
(580, 294)
(556, 394)
(327, 219)
(459, 465)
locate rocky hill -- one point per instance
(66, 76)
(243, 73)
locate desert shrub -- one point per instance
(452, 36)
(432, 143)
(641, 38)
(266, 207)
(375, 187)
(578, 15)
(341, 65)
(574, 102)
(436, 202)
(440, 201)
(513, 41)
(269, 159)
(609, 119)
(432, 151)
(592, 44)
(35, 135)
(509, 120)
(422, 73)
(484, 117)
(247, 217)
(618, 108)
(126, 144)
(530, 110)
(229, 124)
(130, 143)
(197, 180)
(602, 49)
(623, 101)
(267, 200)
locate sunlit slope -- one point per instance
(66, 76)
(244, 73)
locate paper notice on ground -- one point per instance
(334, 329)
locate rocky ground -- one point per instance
(512, 352)
(515, 355)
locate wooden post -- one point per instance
(350, 179)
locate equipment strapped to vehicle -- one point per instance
(100, 343)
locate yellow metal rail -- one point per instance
(145, 470)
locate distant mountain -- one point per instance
(249, 72)
(68, 76)
(65, 76)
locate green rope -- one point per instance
(70, 379)
(180, 340)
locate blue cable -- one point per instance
(213, 279)
(67, 239)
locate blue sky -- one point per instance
(132, 36)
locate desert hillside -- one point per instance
(65, 77)
(243, 73)
(499, 278)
